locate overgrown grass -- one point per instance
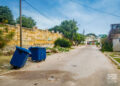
(117, 59)
(4, 59)
(115, 54)
(49, 54)
(4, 63)
(112, 55)
(1, 25)
(61, 49)
(57, 50)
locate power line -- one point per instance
(101, 11)
(34, 8)
(38, 10)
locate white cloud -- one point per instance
(88, 19)
(42, 21)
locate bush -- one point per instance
(97, 44)
(106, 45)
(62, 42)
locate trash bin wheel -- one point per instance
(15, 67)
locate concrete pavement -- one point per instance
(83, 66)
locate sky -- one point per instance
(93, 16)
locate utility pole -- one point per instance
(20, 23)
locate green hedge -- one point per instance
(62, 42)
(106, 45)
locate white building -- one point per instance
(91, 40)
(116, 42)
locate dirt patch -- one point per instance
(33, 75)
(41, 78)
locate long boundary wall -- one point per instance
(32, 36)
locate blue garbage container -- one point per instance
(38, 53)
(19, 57)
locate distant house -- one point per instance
(91, 40)
(114, 36)
(116, 42)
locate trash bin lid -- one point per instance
(23, 49)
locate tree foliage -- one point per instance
(26, 22)
(91, 34)
(103, 35)
(6, 15)
(106, 45)
(78, 38)
(67, 27)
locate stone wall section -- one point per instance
(32, 36)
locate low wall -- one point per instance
(32, 36)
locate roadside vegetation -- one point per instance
(107, 46)
(117, 59)
(1, 25)
(62, 42)
(69, 30)
(60, 45)
(54, 50)
(5, 37)
(4, 63)
(115, 56)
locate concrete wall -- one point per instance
(32, 36)
(116, 44)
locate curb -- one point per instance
(117, 63)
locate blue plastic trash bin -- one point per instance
(38, 53)
(19, 57)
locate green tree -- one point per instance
(78, 38)
(26, 22)
(91, 34)
(67, 27)
(103, 35)
(6, 15)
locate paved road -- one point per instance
(83, 66)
